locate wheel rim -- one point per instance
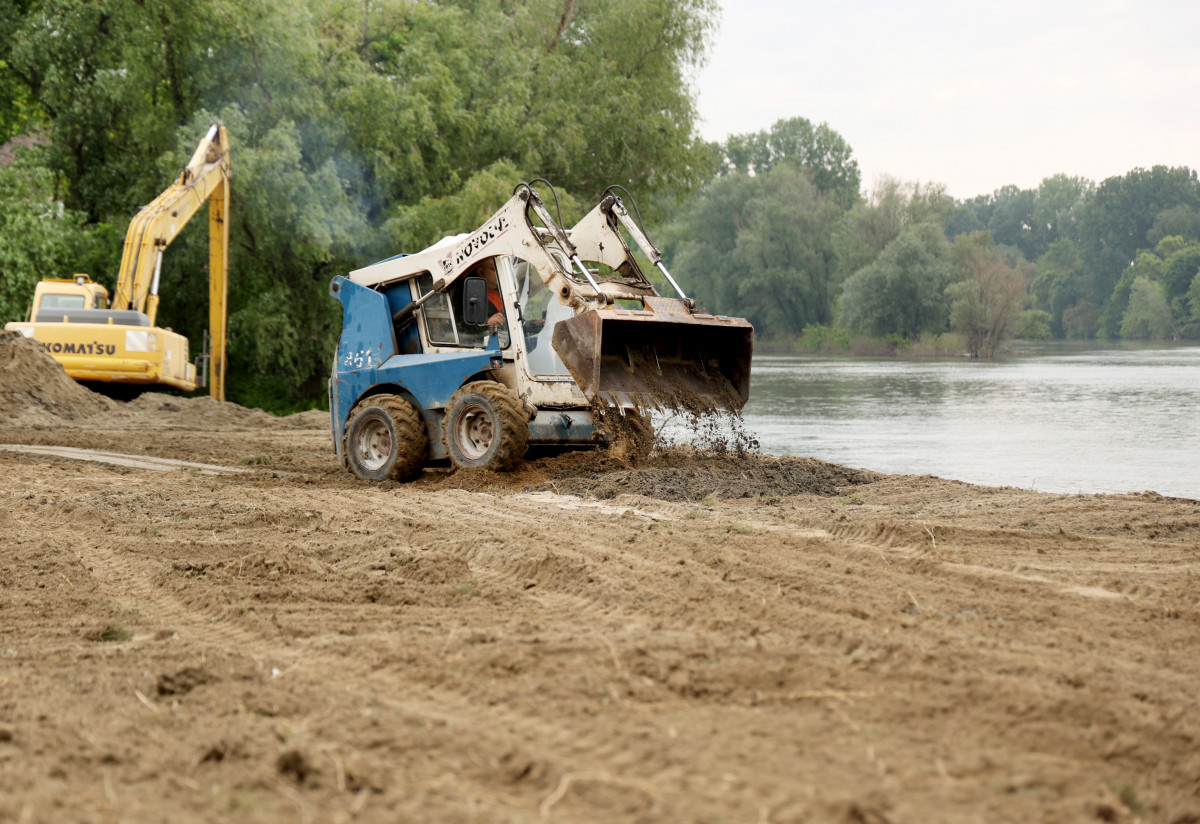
(474, 431)
(374, 445)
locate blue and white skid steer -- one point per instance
(520, 333)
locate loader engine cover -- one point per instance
(664, 356)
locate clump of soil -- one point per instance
(34, 385)
(682, 473)
(671, 473)
(630, 435)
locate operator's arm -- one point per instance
(497, 317)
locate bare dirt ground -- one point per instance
(699, 637)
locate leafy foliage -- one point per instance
(821, 151)
(760, 243)
(986, 304)
(357, 131)
(1148, 314)
(38, 237)
(903, 291)
(362, 130)
(1116, 223)
(867, 228)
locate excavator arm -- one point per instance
(205, 179)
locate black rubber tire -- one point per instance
(486, 426)
(385, 439)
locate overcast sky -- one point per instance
(975, 95)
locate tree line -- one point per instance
(363, 130)
(780, 234)
(358, 130)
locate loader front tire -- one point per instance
(486, 426)
(385, 439)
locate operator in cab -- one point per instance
(486, 269)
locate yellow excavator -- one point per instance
(117, 344)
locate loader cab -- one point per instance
(519, 305)
(443, 320)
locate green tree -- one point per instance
(38, 237)
(903, 292)
(1059, 283)
(1012, 222)
(1080, 319)
(1193, 297)
(358, 130)
(1115, 224)
(1181, 220)
(820, 150)
(1147, 265)
(1180, 266)
(1148, 314)
(871, 224)
(1172, 265)
(1056, 211)
(758, 246)
(986, 304)
(785, 253)
(1033, 324)
(700, 244)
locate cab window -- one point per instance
(51, 301)
(540, 312)
(443, 313)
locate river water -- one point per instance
(1055, 418)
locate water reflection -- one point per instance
(1056, 418)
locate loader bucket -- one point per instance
(660, 357)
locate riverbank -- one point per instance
(699, 637)
(832, 340)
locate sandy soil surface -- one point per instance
(700, 637)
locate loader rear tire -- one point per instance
(486, 426)
(385, 439)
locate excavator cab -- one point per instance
(52, 295)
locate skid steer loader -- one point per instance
(520, 333)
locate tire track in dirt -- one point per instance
(560, 746)
(556, 558)
(999, 561)
(556, 745)
(130, 576)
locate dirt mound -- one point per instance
(312, 419)
(676, 473)
(34, 385)
(159, 409)
(689, 474)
